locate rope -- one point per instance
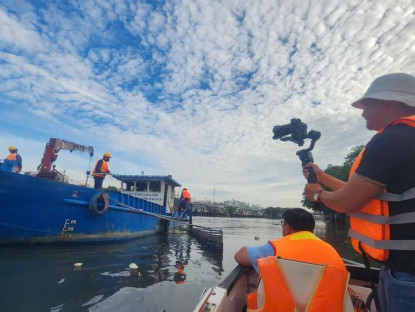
(87, 169)
(89, 163)
(156, 215)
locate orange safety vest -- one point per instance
(305, 247)
(104, 169)
(370, 226)
(12, 158)
(186, 194)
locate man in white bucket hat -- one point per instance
(380, 193)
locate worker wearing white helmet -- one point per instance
(101, 170)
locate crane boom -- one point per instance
(51, 154)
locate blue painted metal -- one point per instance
(37, 210)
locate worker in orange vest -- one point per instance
(296, 244)
(101, 170)
(13, 162)
(185, 200)
(380, 193)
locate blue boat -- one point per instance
(44, 208)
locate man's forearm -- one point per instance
(353, 196)
(241, 257)
(333, 201)
(331, 182)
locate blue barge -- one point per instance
(43, 208)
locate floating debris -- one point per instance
(57, 308)
(134, 270)
(125, 273)
(78, 265)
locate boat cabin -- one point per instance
(155, 189)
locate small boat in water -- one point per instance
(230, 294)
(43, 207)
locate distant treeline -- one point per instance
(221, 210)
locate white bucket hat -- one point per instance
(393, 87)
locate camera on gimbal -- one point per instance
(296, 131)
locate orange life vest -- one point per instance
(103, 169)
(305, 247)
(12, 156)
(186, 194)
(12, 159)
(370, 226)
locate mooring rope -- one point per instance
(156, 215)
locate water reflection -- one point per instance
(174, 269)
(49, 281)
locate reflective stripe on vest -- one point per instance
(370, 225)
(283, 287)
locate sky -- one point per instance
(193, 88)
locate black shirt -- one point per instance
(389, 158)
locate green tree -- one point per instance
(274, 213)
(232, 211)
(112, 188)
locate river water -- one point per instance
(44, 278)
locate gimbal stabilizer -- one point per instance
(298, 131)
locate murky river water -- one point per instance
(43, 278)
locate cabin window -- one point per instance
(155, 186)
(129, 187)
(141, 186)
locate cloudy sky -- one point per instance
(193, 88)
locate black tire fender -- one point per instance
(98, 203)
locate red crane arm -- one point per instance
(51, 153)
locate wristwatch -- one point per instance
(316, 196)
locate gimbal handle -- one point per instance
(306, 157)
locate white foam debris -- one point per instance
(134, 270)
(118, 274)
(61, 281)
(57, 308)
(78, 264)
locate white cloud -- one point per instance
(193, 88)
